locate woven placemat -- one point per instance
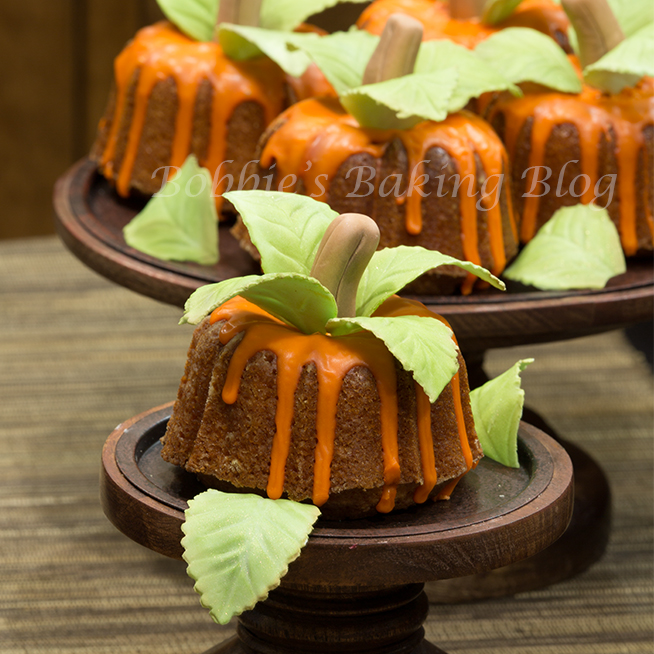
(78, 355)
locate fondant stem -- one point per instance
(239, 12)
(344, 252)
(395, 55)
(598, 30)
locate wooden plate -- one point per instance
(496, 516)
(90, 217)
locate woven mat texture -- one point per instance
(78, 355)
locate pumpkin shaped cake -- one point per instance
(596, 146)
(322, 416)
(176, 95)
(463, 21)
(432, 183)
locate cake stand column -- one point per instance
(335, 620)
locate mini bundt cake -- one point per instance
(175, 96)
(595, 146)
(335, 421)
(443, 20)
(423, 185)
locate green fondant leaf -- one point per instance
(497, 409)
(298, 300)
(196, 18)
(180, 223)
(240, 42)
(579, 247)
(424, 346)
(525, 55)
(475, 76)
(495, 11)
(631, 60)
(391, 269)
(288, 14)
(402, 102)
(632, 15)
(285, 228)
(238, 547)
(342, 57)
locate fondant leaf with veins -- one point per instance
(286, 228)
(633, 57)
(422, 345)
(240, 42)
(525, 55)
(497, 409)
(475, 76)
(402, 102)
(180, 223)
(579, 247)
(342, 57)
(238, 547)
(391, 269)
(297, 300)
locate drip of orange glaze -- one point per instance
(333, 358)
(321, 133)
(160, 52)
(594, 114)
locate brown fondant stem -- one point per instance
(239, 12)
(344, 252)
(598, 30)
(397, 50)
(466, 9)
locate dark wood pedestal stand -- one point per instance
(358, 586)
(89, 219)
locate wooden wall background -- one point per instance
(57, 69)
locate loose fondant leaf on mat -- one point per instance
(295, 299)
(497, 409)
(578, 248)
(181, 222)
(286, 228)
(238, 547)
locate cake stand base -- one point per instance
(385, 621)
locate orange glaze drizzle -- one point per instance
(333, 357)
(593, 114)
(543, 15)
(396, 306)
(160, 52)
(320, 132)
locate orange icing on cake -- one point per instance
(160, 52)
(543, 15)
(333, 358)
(323, 133)
(593, 114)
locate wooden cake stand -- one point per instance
(357, 585)
(90, 217)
